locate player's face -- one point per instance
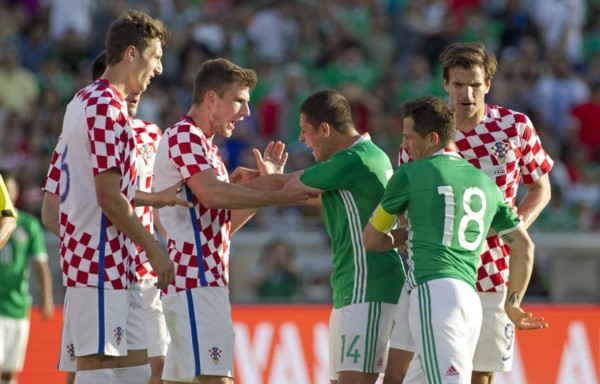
(467, 89)
(314, 138)
(133, 100)
(147, 64)
(417, 146)
(228, 110)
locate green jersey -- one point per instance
(26, 242)
(354, 180)
(450, 206)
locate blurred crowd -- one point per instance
(379, 53)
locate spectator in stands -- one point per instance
(276, 276)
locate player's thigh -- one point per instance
(157, 334)
(359, 338)
(445, 319)
(494, 352)
(202, 337)
(96, 320)
(401, 337)
(14, 334)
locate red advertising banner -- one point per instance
(288, 344)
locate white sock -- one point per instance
(140, 374)
(96, 376)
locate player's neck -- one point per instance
(468, 123)
(117, 79)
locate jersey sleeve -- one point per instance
(104, 119)
(338, 172)
(51, 183)
(37, 247)
(535, 161)
(6, 207)
(188, 152)
(397, 192)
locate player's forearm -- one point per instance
(374, 240)
(537, 197)
(45, 279)
(7, 227)
(520, 266)
(268, 182)
(50, 212)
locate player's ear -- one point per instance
(325, 128)
(434, 138)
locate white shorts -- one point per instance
(14, 334)
(201, 330)
(135, 334)
(359, 336)
(445, 320)
(494, 350)
(136, 320)
(95, 321)
(156, 326)
(401, 337)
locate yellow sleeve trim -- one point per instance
(381, 220)
(6, 207)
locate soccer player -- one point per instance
(353, 172)
(450, 206)
(25, 245)
(97, 188)
(196, 305)
(8, 221)
(504, 145)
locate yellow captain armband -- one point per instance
(381, 220)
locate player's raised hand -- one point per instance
(272, 160)
(524, 320)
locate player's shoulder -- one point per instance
(146, 126)
(498, 113)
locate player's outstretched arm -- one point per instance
(165, 198)
(519, 273)
(378, 234)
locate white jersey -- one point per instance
(198, 237)
(147, 137)
(96, 137)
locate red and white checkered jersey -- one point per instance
(147, 136)
(506, 147)
(198, 237)
(51, 183)
(96, 137)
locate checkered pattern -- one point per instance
(147, 136)
(51, 184)
(506, 147)
(183, 152)
(108, 142)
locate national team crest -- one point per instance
(500, 150)
(147, 151)
(215, 354)
(119, 333)
(71, 352)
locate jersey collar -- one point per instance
(361, 138)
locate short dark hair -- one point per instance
(132, 28)
(431, 114)
(328, 106)
(220, 75)
(468, 55)
(99, 65)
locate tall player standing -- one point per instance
(97, 189)
(504, 144)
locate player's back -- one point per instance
(450, 210)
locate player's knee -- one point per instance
(479, 377)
